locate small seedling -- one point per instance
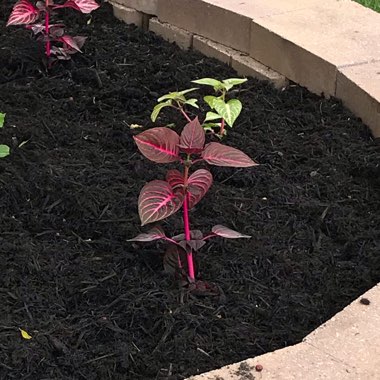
(160, 199)
(37, 18)
(4, 149)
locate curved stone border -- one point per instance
(347, 347)
(332, 47)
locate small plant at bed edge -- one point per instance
(4, 149)
(37, 18)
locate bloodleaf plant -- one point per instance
(37, 18)
(182, 190)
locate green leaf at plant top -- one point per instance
(192, 102)
(157, 109)
(2, 118)
(229, 111)
(176, 96)
(208, 82)
(184, 92)
(234, 81)
(210, 99)
(4, 150)
(216, 84)
(212, 116)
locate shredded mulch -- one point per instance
(99, 307)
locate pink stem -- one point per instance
(186, 223)
(47, 46)
(222, 128)
(183, 112)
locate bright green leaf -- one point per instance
(192, 102)
(209, 99)
(176, 96)
(157, 109)
(4, 151)
(208, 82)
(234, 81)
(229, 111)
(212, 116)
(188, 90)
(2, 118)
(217, 85)
(171, 96)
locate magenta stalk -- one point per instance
(189, 253)
(186, 223)
(47, 46)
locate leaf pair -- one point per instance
(157, 233)
(162, 145)
(229, 111)
(220, 86)
(159, 199)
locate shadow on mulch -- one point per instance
(98, 307)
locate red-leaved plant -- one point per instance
(159, 199)
(36, 17)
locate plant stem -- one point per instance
(186, 223)
(47, 24)
(183, 112)
(221, 132)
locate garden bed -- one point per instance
(99, 307)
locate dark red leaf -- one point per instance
(57, 30)
(228, 233)
(222, 155)
(23, 12)
(194, 234)
(198, 185)
(157, 201)
(175, 179)
(84, 6)
(159, 145)
(153, 234)
(172, 259)
(36, 28)
(70, 42)
(192, 137)
(195, 243)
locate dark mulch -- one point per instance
(98, 307)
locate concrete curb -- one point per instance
(347, 347)
(330, 47)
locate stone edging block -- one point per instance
(208, 20)
(359, 88)
(128, 15)
(171, 33)
(149, 7)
